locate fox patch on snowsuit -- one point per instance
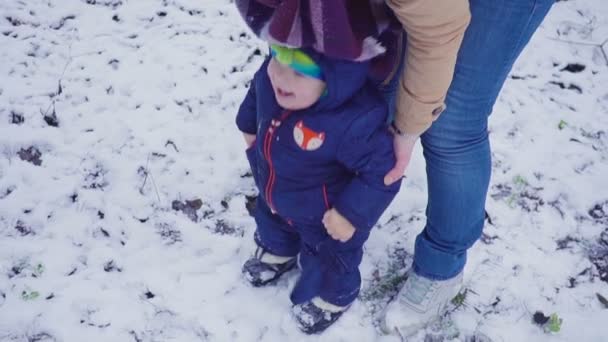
(333, 154)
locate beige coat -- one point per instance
(435, 29)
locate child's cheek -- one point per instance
(308, 96)
(270, 74)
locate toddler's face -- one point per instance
(293, 90)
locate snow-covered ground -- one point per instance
(124, 189)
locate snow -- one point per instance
(131, 106)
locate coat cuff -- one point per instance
(413, 117)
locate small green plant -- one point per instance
(562, 124)
(511, 200)
(385, 286)
(38, 270)
(520, 181)
(458, 301)
(550, 324)
(554, 324)
(29, 294)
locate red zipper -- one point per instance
(325, 197)
(274, 125)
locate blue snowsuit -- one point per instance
(332, 154)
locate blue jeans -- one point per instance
(456, 147)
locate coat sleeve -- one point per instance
(246, 118)
(435, 30)
(367, 151)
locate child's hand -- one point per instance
(337, 226)
(249, 139)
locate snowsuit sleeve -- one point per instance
(246, 118)
(367, 151)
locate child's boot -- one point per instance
(316, 315)
(264, 268)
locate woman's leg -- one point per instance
(456, 147)
(458, 163)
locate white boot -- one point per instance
(420, 302)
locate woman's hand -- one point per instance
(404, 145)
